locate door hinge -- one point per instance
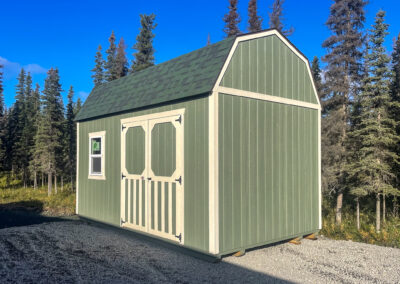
(123, 176)
(179, 119)
(179, 237)
(179, 180)
(122, 222)
(123, 127)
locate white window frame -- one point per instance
(102, 136)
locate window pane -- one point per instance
(96, 146)
(96, 165)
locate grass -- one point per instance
(388, 236)
(60, 204)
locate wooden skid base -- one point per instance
(312, 237)
(295, 241)
(240, 253)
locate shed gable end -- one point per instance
(267, 65)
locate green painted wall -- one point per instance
(100, 199)
(268, 171)
(266, 65)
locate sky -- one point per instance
(38, 35)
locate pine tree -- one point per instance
(144, 57)
(70, 135)
(77, 106)
(232, 20)
(110, 65)
(395, 111)
(316, 72)
(2, 122)
(121, 62)
(373, 170)
(49, 134)
(342, 77)
(34, 166)
(255, 21)
(276, 18)
(98, 70)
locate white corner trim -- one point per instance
(319, 170)
(260, 35)
(102, 176)
(77, 169)
(264, 97)
(213, 201)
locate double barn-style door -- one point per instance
(152, 174)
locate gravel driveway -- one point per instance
(75, 251)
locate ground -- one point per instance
(70, 250)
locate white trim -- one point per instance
(319, 170)
(77, 169)
(213, 216)
(153, 115)
(102, 136)
(259, 96)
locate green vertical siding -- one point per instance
(268, 175)
(135, 150)
(163, 149)
(265, 65)
(100, 199)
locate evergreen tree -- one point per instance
(276, 18)
(98, 70)
(395, 110)
(77, 106)
(34, 166)
(316, 72)
(49, 134)
(144, 57)
(232, 20)
(208, 40)
(2, 122)
(342, 78)
(110, 65)
(373, 170)
(255, 21)
(121, 62)
(70, 135)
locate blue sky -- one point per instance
(38, 35)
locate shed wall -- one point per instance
(268, 66)
(100, 199)
(268, 172)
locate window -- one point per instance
(96, 155)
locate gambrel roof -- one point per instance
(188, 75)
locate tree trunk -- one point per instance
(55, 183)
(62, 183)
(42, 180)
(395, 207)
(34, 180)
(358, 213)
(49, 185)
(384, 208)
(339, 204)
(378, 213)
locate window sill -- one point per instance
(98, 177)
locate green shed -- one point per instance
(217, 150)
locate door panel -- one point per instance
(152, 175)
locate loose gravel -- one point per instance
(75, 252)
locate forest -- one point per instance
(358, 82)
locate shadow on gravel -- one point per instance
(23, 213)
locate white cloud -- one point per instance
(11, 69)
(83, 95)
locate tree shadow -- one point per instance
(23, 213)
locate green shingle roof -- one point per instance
(185, 76)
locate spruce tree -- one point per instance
(2, 123)
(47, 149)
(395, 111)
(121, 62)
(276, 18)
(144, 57)
(232, 20)
(34, 165)
(373, 170)
(110, 65)
(342, 78)
(255, 21)
(316, 72)
(70, 135)
(98, 70)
